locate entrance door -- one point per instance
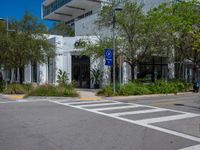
(81, 71)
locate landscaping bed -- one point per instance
(139, 88)
(41, 90)
(57, 91)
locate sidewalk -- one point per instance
(88, 94)
(147, 96)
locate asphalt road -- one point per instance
(51, 124)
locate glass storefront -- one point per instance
(154, 69)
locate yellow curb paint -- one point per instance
(15, 97)
(90, 99)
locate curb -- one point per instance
(146, 96)
(65, 98)
(90, 99)
(14, 97)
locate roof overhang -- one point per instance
(71, 10)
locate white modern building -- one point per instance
(82, 14)
(68, 59)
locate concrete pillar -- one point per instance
(12, 76)
(42, 74)
(171, 65)
(27, 73)
(125, 73)
(135, 72)
(67, 65)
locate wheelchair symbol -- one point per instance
(109, 54)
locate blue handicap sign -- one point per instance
(108, 57)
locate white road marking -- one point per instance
(7, 102)
(168, 118)
(87, 102)
(182, 135)
(22, 101)
(67, 100)
(138, 112)
(102, 104)
(195, 147)
(178, 111)
(116, 107)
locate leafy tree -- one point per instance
(131, 35)
(61, 28)
(27, 44)
(96, 49)
(175, 23)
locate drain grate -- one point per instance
(179, 104)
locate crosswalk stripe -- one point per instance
(167, 118)
(87, 102)
(116, 107)
(138, 112)
(172, 132)
(195, 147)
(103, 104)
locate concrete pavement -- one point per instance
(46, 124)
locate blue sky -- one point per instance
(16, 8)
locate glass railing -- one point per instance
(53, 6)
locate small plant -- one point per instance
(96, 77)
(17, 88)
(51, 90)
(62, 77)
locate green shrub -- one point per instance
(17, 88)
(138, 88)
(50, 90)
(2, 84)
(106, 91)
(134, 89)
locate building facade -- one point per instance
(81, 15)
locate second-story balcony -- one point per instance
(67, 10)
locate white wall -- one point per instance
(64, 50)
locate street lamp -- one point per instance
(114, 44)
(7, 25)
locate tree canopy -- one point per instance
(27, 43)
(61, 28)
(178, 25)
(164, 30)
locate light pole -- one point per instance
(7, 25)
(114, 45)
